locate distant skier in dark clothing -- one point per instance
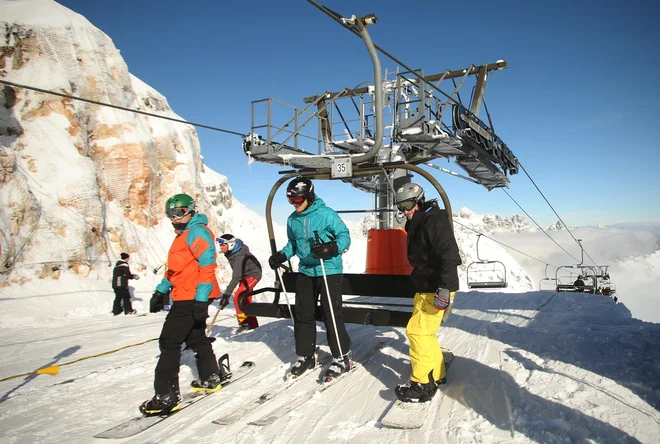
(120, 276)
(434, 255)
(579, 284)
(190, 275)
(246, 273)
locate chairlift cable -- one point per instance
(532, 219)
(553, 210)
(505, 245)
(338, 18)
(95, 102)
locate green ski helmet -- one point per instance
(179, 205)
(408, 195)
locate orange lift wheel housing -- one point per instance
(387, 252)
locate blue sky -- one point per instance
(575, 104)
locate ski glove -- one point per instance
(224, 300)
(325, 250)
(200, 313)
(136, 277)
(157, 302)
(442, 299)
(276, 260)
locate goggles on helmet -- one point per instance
(176, 212)
(296, 200)
(221, 241)
(406, 205)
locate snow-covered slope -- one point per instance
(533, 367)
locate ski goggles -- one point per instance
(406, 205)
(221, 241)
(176, 212)
(296, 200)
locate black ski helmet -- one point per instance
(301, 186)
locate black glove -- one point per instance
(224, 300)
(157, 302)
(276, 260)
(442, 299)
(136, 277)
(200, 313)
(324, 251)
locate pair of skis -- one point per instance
(403, 415)
(296, 402)
(141, 423)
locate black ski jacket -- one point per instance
(121, 274)
(432, 250)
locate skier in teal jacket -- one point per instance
(316, 232)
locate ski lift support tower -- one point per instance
(374, 137)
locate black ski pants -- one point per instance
(180, 327)
(308, 290)
(122, 297)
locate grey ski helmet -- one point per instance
(409, 194)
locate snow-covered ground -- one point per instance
(530, 367)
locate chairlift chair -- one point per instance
(485, 284)
(550, 280)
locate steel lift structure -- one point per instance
(374, 137)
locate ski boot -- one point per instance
(208, 385)
(416, 391)
(302, 365)
(339, 366)
(214, 382)
(162, 404)
(242, 328)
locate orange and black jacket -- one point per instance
(191, 264)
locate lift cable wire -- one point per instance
(505, 245)
(553, 210)
(532, 219)
(69, 96)
(336, 17)
(469, 179)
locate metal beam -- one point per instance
(501, 64)
(475, 107)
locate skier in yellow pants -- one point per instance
(425, 352)
(433, 253)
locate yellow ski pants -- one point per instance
(425, 351)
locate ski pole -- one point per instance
(208, 329)
(327, 294)
(286, 295)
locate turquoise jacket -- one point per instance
(300, 228)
